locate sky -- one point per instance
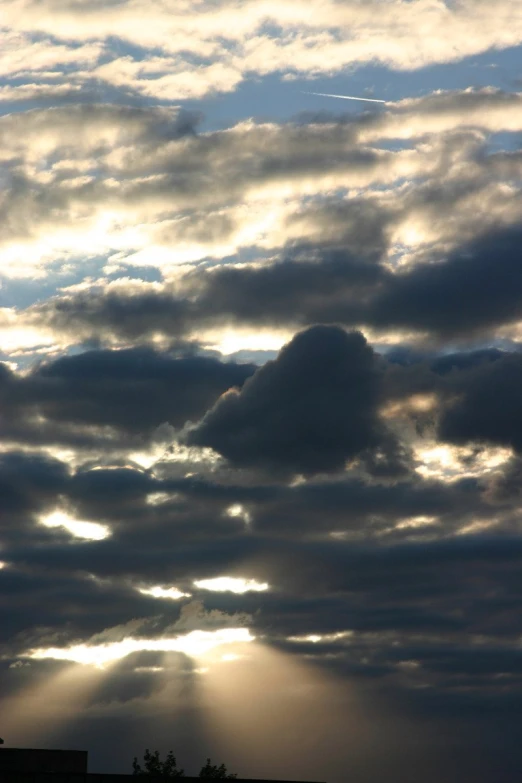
(260, 385)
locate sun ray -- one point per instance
(36, 713)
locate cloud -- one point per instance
(112, 394)
(138, 178)
(309, 411)
(29, 481)
(368, 472)
(475, 288)
(200, 51)
(487, 409)
(467, 291)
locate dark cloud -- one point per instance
(459, 294)
(309, 411)
(71, 605)
(476, 288)
(472, 289)
(464, 360)
(132, 391)
(99, 313)
(489, 409)
(294, 290)
(29, 482)
(365, 508)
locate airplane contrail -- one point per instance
(344, 97)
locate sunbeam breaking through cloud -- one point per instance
(193, 644)
(260, 371)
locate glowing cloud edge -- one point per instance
(193, 644)
(230, 584)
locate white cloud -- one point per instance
(91, 531)
(317, 638)
(451, 463)
(231, 584)
(171, 593)
(203, 48)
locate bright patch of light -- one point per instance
(228, 657)
(194, 644)
(410, 234)
(64, 455)
(437, 459)
(237, 510)
(477, 527)
(91, 531)
(417, 403)
(158, 498)
(178, 452)
(414, 522)
(163, 592)
(453, 462)
(230, 584)
(3, 564)
(316, 638)
(146, 459)
(16, 336)
(408, 665)
(233, 340)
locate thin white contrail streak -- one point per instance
(344, 97)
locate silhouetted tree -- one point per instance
(212, 771)
(152, 765)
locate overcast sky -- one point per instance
(261, 385)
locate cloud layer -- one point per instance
(260, 421)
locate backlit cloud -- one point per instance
(259, 384)
(200, 50)
(193, 644)
(91, 531)
(231, 584)
(171, 593)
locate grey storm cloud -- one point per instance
(488, 409)
(132, 391)
(28, 482)
(309, 411)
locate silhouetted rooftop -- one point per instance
(32, 765)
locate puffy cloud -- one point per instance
(309, 411)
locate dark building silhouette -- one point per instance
(29, 765)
